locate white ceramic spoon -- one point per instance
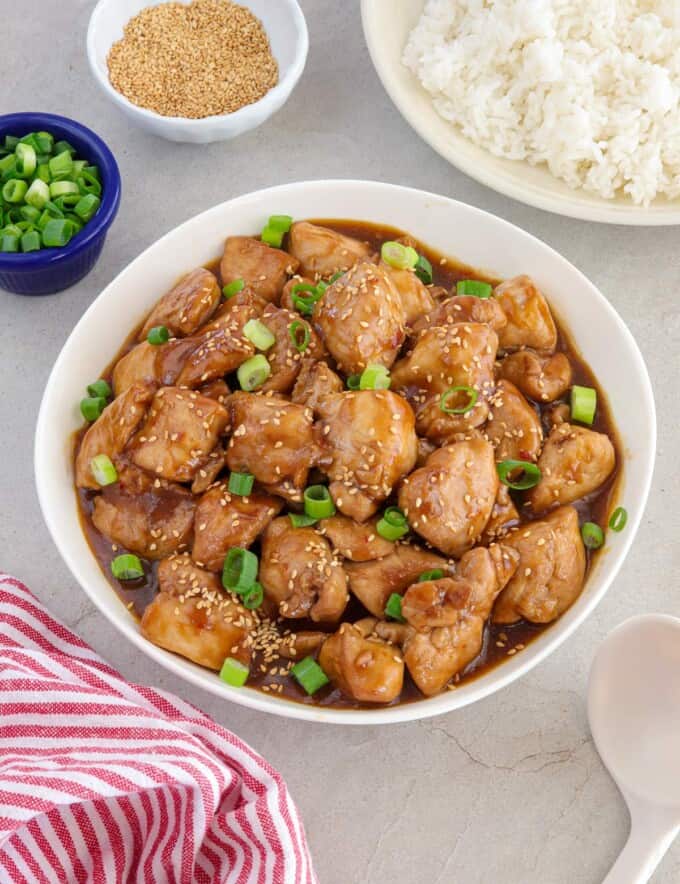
(634, 712)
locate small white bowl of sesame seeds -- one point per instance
(197, 71)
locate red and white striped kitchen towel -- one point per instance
(105, 781)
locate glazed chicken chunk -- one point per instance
(299, 573)
(315, 383)
(541, 378)
(263, 268)
(367, 442)
(415, 296)
(356, 541)
(141, 365)
(284, 357)
(186, 306)
(322, 252)
(181, 430)
(360, 319)
(449, 500)
(112, 431)
(224, 520)
(513, 427)
(147, 516)
(551, 569)
(448, 616)
(272, 439)
(574, 462)
(364, 668)
(530, 322)
(194, 617)
(463, 308)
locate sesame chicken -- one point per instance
(186, 306)
(366, 669)
(321, 252)
(513, 427)
(541, 378)
(264, 269)
(529, 320)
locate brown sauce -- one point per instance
(500, 641)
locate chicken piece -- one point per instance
(181, 429)
(513, 428)
(263, 268)
(559, 413)
(463, 308)
(552, 565)
(450, 618)
(192, 616)
(360, 319)
(141, 365)
(457, 355)
(147, 516)
(367, 442)
(112, 430)
(530, 322)
(504, 516)
(284, 357)
(273, 439)
(374, 582)
(415, 296)
(574, 462)
(299, 573)
(364, 669)
(287, 293)
(299, 645)
(315, 383)
(224, 520)
(358, 542)
(209, 470)
(449, 500)
(217, 390)
(186, 306)
(321, 252)
(541, 378)
(425, 449)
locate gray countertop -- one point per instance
(511, 788)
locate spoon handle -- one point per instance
(651, 834)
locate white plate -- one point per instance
(475, 237)
(387, 25)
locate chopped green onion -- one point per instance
(583, 404)
(11, 142)
(99, 388)
(530, 476)
(471, 394)
(61, 165)
(619, 518)
(423, 270)
(474, 287)
(88, 183)
(336, 276)
(92, 407)
(253, 373)
(301, 521)
(254, 597)
(103, 470)
(62, 188)
(592, 534)
(435, 574)
(258, 334)
(295, 329)
(68, 201)
(45, 142)
(9, 242)
(31, 241)
(14, 191)
(280, 223)
(127, 567)
(393, 524)
(240, 570)
(318, 502)
(393, 608)
(57, 232)
(305, 303)
(43, 173)
(62, 146)
(28, 213)
(38, 194)
(399, 256)
(354, 382)
(158, 335)
(233, 288)
(78, 167)
(26, 161)
(87, 207)
(375, 377)
(241, 484)
(309, 675)
(234, 673)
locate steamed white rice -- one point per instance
(589, 87)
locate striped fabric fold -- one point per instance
(106, 781)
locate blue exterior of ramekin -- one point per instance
(52, 270)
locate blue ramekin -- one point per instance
(52, 270)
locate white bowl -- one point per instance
(475, 237)
(386, 27)
(287, 31)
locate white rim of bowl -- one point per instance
(276, 96)
(472, 691)
(588, 208)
